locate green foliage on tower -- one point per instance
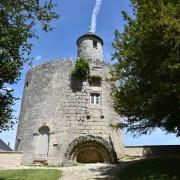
(81, 68)
(148, 68)
(17, 26)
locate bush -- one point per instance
(81, 68)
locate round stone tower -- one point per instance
(90, 46)
(65, 119)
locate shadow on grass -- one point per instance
(150, 169)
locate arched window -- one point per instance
(42, 145)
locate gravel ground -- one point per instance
(81, 172)
(90, 171)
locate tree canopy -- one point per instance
(148, 67)
(17, 26)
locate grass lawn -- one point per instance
(154, 169)
(31, 174)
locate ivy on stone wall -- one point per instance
(81, 68)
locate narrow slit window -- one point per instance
(94, 44)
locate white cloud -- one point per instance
(38, 58)
(8, 88)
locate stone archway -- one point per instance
(90, 149)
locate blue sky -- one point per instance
(61, 44)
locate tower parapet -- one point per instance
(90, 46)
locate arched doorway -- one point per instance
(42, 144)
(90, 149)
(90, 152)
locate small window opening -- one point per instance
(27, 84)
(95, 82)
(55, 144)
(95, 98)
(94, 44)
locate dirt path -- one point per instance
(90, 172)
(82, 172)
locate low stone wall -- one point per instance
(8, 158)
(152, 150)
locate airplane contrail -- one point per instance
(94, 16)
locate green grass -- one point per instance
(152, 169)
(31, 174)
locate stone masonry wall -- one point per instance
(87, 50)
(52, 98)
(10, 159)
(152, 150)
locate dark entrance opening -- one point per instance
(90, 152)
(90, 156)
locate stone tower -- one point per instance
(64, 119)
(91, 47)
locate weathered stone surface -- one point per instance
(10, 158)
(86, 49)
(50, 100)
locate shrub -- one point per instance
(81, 68)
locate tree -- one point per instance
(148, 67)
(17, 26)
